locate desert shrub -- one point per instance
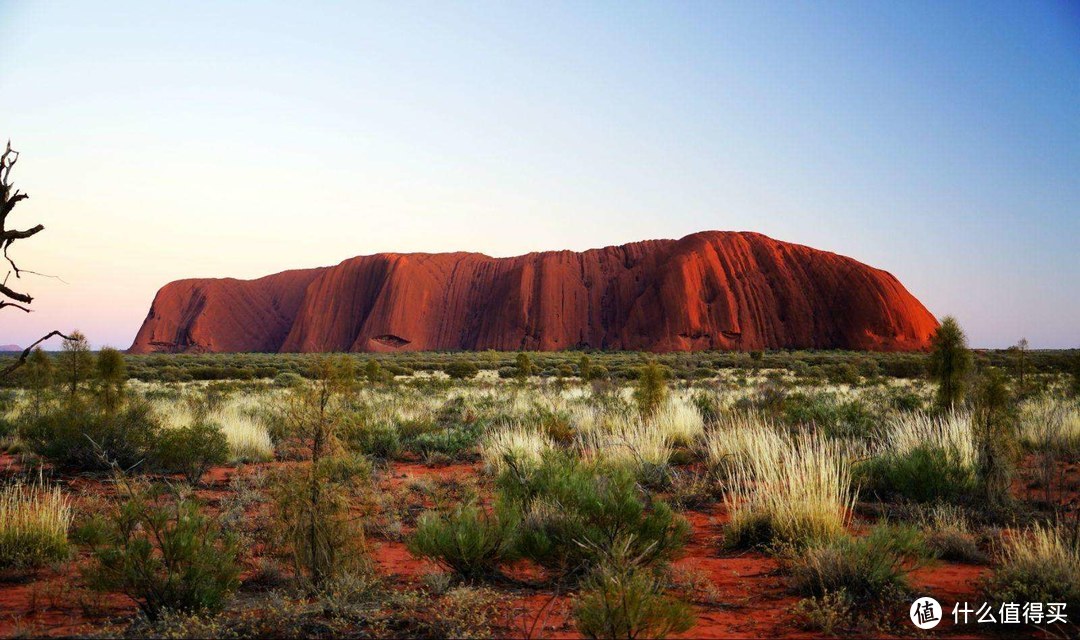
(192, 450)
(288, 380)
(651, 389)
(467, 540)
(313, 528)
(80, 436)
(34, 521)
(461, 370)
(623, 599)
(1040, 565)
(378, 440)
(825, 412)
(166, 556)
(572, 510)
(923, 474)
(455, 442)
(948, 534)
(870, 569)
(827, 613)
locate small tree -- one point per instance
(950, 362)
(995, 438)
(313, 524)
(585, 368)
(75, 362)
(373, 371)
(651, 389)
(523, 367)
(39, 379)
(112, 375)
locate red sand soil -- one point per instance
(709, 290)
(749, 596)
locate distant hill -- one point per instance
(709, 290)
(10, 348)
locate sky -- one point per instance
(939, 141)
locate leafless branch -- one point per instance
(21, 360)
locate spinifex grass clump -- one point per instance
(800, 491)
(924, 458)
(739, 439)
(1050, 423)
(629, 443)
(1040, 565)
(514, 444)
(34, 521)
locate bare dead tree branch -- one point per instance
(9, 197)
(21, 360)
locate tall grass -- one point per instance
(924, 457)
(1050, 423)
(631, 443)
(786, 489)
(34, 521)
(1042, 565)
(679, 420)
(740, 439)
(953, 431)
(523, 445)
(248, 438)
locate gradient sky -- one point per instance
(937, 140)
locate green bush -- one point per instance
(80, 436)
(288, 380)
(380, 441)
(870, 569)
(461, 370)
(574, 511)
(924, 474)
(192, 450)
(621, 601)
(166, 557)
(468, 540)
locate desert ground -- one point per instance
(560, 495)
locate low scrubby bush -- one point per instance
(192, 450)
(166, 557)
(80, 436)
(622, 599)
(467, 540)
(571, 510)
(869, 569)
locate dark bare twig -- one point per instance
(26, 352)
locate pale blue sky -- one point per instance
(937, 140)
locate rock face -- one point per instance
(709, 290)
